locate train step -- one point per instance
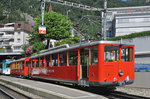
(83, 82)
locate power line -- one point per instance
(75, 5)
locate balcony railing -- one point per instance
(7, 29)
(7, 36)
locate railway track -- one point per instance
(7, 93)
(121, 95)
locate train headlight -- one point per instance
(121, 73)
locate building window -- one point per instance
(17, 47)
(19, 33)
(1, 35)
(6, 43)
(19, 25)
(18, 40)
(1, 43)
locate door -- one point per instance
(84, 63)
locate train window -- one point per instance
(7, 65)
(13, 65)
(0, 65)
(27, 64)
(33, 63)
(16, 65)
(55, 60)
(37, 62)
(111, 53)
(41, 61)
(126, 54)
(94, 55)
(47, 60)
(22, 65)
(63, 59)
(84, 56)
(73, 58)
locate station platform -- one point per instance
(142, 80)
(46, 90)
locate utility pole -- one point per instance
(104, 33)
(42, 10)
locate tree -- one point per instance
(32, 49)
(71, 40)
(57, 26)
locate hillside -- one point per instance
(13, 11)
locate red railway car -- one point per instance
(20, 67)
(100, 63)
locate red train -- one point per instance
(100, 63)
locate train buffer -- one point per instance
(46, 90)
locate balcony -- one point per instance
(4, 29)
(5, 44)
(6, 37)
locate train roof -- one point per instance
(5, 62)
(85, 44)
(22, 59)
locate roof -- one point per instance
(78, 46)
(22, 59)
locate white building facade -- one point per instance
(131, 23)
(127, 20)
(13, 36)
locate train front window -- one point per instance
(126, 54)
(7, 65)
(111, 53)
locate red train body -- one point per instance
(101, 63)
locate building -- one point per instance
(147, 1)
(13, 36)
(127, 20)
(142, 53)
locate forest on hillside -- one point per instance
(12, 11)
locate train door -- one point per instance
(84, 66)
(111, 62)
(126, 66)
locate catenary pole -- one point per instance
(42, 10)
(104, 34)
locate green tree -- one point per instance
(71, 40)
(57, 26)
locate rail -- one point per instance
(12, 94)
